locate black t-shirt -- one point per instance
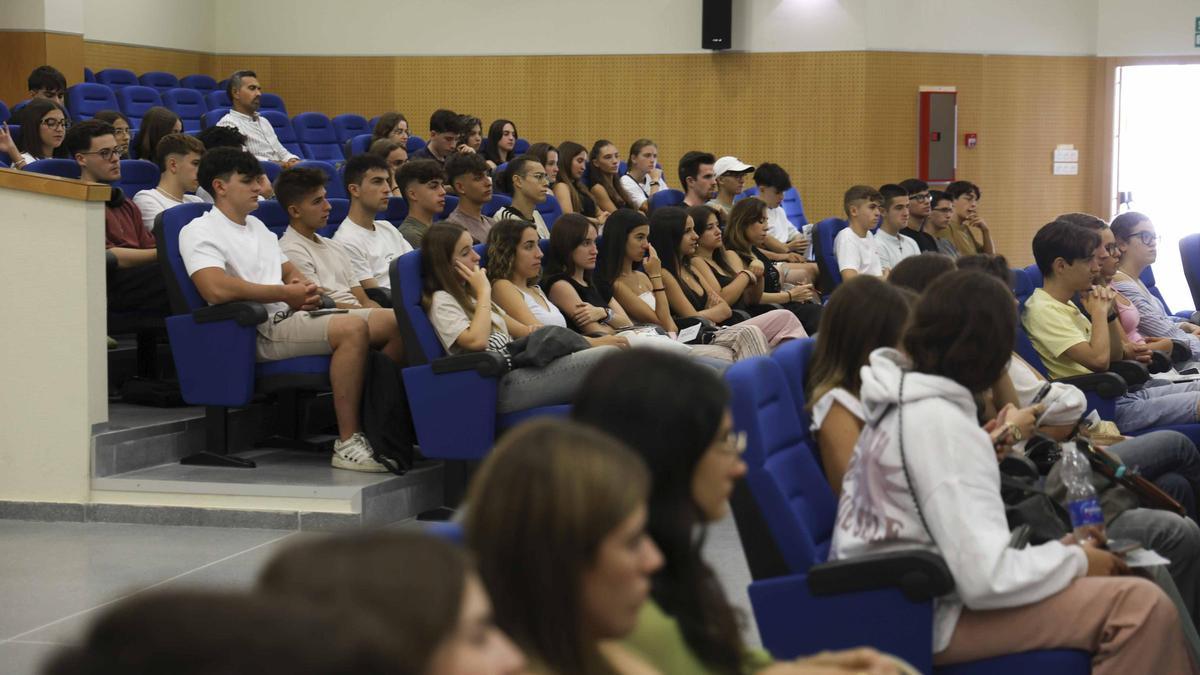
(589, 294)
(925, 241)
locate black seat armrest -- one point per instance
(1159, 362)
(488, 364)
(244, 313)
(110, 261)
(1108, 385)
(1180, 352)
(738, 316)
(920, 575)
(327, 302)
(382, 296)
(1134, 373)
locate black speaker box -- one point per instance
(716, 26)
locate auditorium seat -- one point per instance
(666, 198)
(272, 170)
(86, 99)
(272, 102)
(550, 210)
(117, 78)
(137, 175)
(396, 212)
(793, 358)
(794, 208)
(217, 99)
(317, 138)
(497, 202)
(4, 114)
(520, 147)
(159, 80)
(214, 348)
(448, 208)
(188, 104)
(1147, 278)
(273, 215)
(135, 100)
(339, 209)
(333, 179)
(201, 83)
(88, 75)
(284, 132)
(358, 145)
(349, 125)
(210, 118)
(785, 513)
(63, 168)
(414, 144)
(823, 235)
(14, 130)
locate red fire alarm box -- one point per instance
(970, 140)
(937, 127)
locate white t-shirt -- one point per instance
(857, 253)
(325, 262)
(154, 201)
(28, 158)
(372, 251)
(820, 409)
(248, 252)
(449, 319)
(636, 192)
(779, 226)
(893, 248)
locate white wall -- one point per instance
(1042, 27)
(175, 24)
(1147, 27)
(58, 16)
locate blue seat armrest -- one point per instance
(919, 575)
(1107, 385)
(243, 313)
(437, 401)
(1132, 372)
(792, 622)
(488, 364)
(1190, 315)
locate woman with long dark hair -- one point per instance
(605, 162)
(502, 141)
(44, 125)
(156, 123)
(572, 195)
(391, 125)
(568, 281)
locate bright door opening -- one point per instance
(1156, 146)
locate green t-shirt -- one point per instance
(659, 640)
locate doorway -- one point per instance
(1156, 146)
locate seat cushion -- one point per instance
(512, 419)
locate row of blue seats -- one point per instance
(118, 78)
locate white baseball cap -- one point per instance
(729, 164)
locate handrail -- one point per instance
(40, 183)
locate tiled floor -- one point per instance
(55, 576)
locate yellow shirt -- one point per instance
(1053, 328)
(659, 639)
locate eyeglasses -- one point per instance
(945, 209)
(734, 444)
(56, 124)
(106, 154)
(1148, 238)
(539, 177)
(923, 197)
(1113, 249)
(121, 132)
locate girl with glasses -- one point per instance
(122, 131)
(44, 125)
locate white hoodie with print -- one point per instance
(954, 473)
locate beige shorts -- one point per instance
(300, 334)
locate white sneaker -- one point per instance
(354, 454)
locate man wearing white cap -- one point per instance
(731, 178)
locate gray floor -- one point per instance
(55, 577)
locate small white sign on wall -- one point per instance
(1066, 160)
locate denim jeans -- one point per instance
(1169, 459)
(1176, 538)
(1158, 403)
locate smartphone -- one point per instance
(1122, 546)
(1042, 394)
(323, 312)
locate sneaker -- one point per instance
(112, 344)
(355, 454)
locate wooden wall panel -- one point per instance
(22, 51)
(832, 119)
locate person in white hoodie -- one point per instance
(924, 476)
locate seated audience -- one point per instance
(224, 137)
(1138, 245)
(785, 245)
(44, 125)
(693, 290)
(392, 126)
(371, 244)
(572, 195)
(470, 133)
(436, 611)
(471, 179)
(47, 82)
(918, 213)
(422, 183)
(245, 94)
(193, 632)
(1071, 344)
(644, 178)
(548, 156)
(862, 315)
(231, 256)
(178, 158)
(736, 284)
(730, 173)
(918, 271)
(688, 625)
(941, 210)
(526, 180)
(502, 138)
(855, 247)
(395, 155)
(443, 137)
(121, 130)
(744, 238)
(965, 196)
(605, 162)
(571, 580)
(570, 265)
(893, 247)
(157, 122)
(958, 345)
(136, 282)
(514, 268)
(457, 296)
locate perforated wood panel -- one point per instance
(831, 119)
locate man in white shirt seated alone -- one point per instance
(245, 94)
(178, 157)
(231, 256)
(854, 246)
(892, 246)
(371, 244)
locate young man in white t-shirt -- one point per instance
(231, 256)
(854, 246)
(785, 244)
(892, 246)
(371, 244)
(178, 157)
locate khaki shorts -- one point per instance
(300, 334)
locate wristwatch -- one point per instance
(609, 315)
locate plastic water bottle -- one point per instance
(1082, 500)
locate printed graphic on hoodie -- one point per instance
(875, 493)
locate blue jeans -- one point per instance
(1156, 404)
(1176, 538)
(1169, 459)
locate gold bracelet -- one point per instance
(656, 277)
